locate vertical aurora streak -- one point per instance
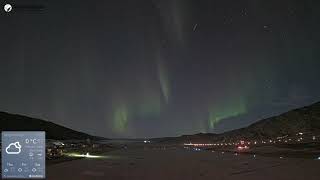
(164, 80)
(120, 119)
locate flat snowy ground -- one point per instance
(140, 164)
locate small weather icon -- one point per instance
(13, 148)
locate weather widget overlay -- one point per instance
(23, 154)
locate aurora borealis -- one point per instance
(153, 68)
(225, 111)
(164, 82)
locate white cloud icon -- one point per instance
(13, 150)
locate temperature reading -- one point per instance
(33, 141)
(23, 154)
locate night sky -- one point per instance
(150, 68)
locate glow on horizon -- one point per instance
(87, 155)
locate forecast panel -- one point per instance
(23, 154)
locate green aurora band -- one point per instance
(120, 119)
(149, 107)
(226, 111)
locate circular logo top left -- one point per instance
(7, 8)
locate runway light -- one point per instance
(243, 147)
(192, 144)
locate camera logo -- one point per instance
(7, 8)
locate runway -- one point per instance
(139, 164)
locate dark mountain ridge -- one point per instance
(14, 122)
(305, 119)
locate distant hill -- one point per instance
(14, 122)
(305, 119)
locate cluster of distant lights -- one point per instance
(278, 140)
(242, 145)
